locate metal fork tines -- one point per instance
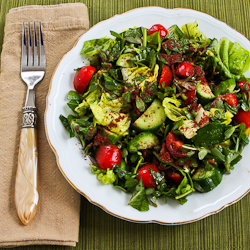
(33, 64)
(33, 61)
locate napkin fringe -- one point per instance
(40, 242)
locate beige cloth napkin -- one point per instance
(57, 218)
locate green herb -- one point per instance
(66, 125)
(211, 134)
(139, 198)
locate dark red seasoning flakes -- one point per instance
(100, 140)
(194, 107)
(204, 120)
(112, 125)
(171, 59)
(165, 155)
(121, 117)
(198, 71)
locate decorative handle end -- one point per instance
(26, 188)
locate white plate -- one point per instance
(69, 155)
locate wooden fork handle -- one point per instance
(26, 186)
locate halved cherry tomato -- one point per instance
(190, 94)
(174, 144)
(174, 175)
(82, 78)
(166, 76)
(107, 156)
(184, 70)
(146, 175)
(158, 28)
(241, 84)
(243, 117)
(231, 99)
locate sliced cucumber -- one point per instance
(144, 140)
(152, 118)
(204, 92)
(207, 178)
(123, 60)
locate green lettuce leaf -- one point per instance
(191, 31)
(105, 176)
(171, 106)
(232, 59)
(239, 59)
(92, 47)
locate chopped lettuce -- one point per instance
(191, 31)
(226, 117)
(92, 47)
(105, 176)
(172, 110)
(82, 108)
(139, 75)
(155, 38)
(90, 98)
(109, 113)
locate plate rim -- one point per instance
(57, 156)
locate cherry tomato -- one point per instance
(174, 144)
(184, 70)
(243, 117)
(146, 175)
(241, 84)
(231, 99)
(158, 28)
(166, 76)
(82, 78)
(174, 175)
(107, 156)
(190, 94)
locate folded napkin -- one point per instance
(57, 219)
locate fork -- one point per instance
(33, 66)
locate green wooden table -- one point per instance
(229, 229)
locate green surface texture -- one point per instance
(229, 229)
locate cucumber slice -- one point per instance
(204, 92)
(152, 118)
(144, 140)
(207, 178)
(123, 60)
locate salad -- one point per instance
(161, 112)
